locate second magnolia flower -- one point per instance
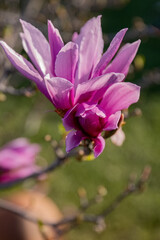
(85, 85)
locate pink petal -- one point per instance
(69, 119)
(25, 171)
(118, 138)
(90, 44)
(59, 91)
(123, 59)
(119, 96)
(99, 144)
(95, 25)
(73, 140)
(112, 122)
(21, 64)
(91, 121)
(25, 67)
(74, 36)
(24, 43)
(95, 88)
(18, 173)
(18, 153)
(66, 61)
(83, 108)
(111, 51)
(55, 41)
(37, 48)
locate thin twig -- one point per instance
(131, 188)
(80, 217)
(17, 92)
(57, 163)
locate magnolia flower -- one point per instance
(85, 85)
(17, 159)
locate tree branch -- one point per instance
(54, 165)
(70, 222)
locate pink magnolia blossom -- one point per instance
(17, 159)
(85, 85)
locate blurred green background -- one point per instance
(138, 217)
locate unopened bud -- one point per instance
(100, 226)
(138, 112)
(102, 191)
(48, 138)
(82, 192)
(146, 173)
(2, 97)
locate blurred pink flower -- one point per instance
(85, 86)
(17, 159)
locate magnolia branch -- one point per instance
(17, 92)
(132, 187)
(60, 160)
(69, 222)
(8, 89)
(57, 163)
